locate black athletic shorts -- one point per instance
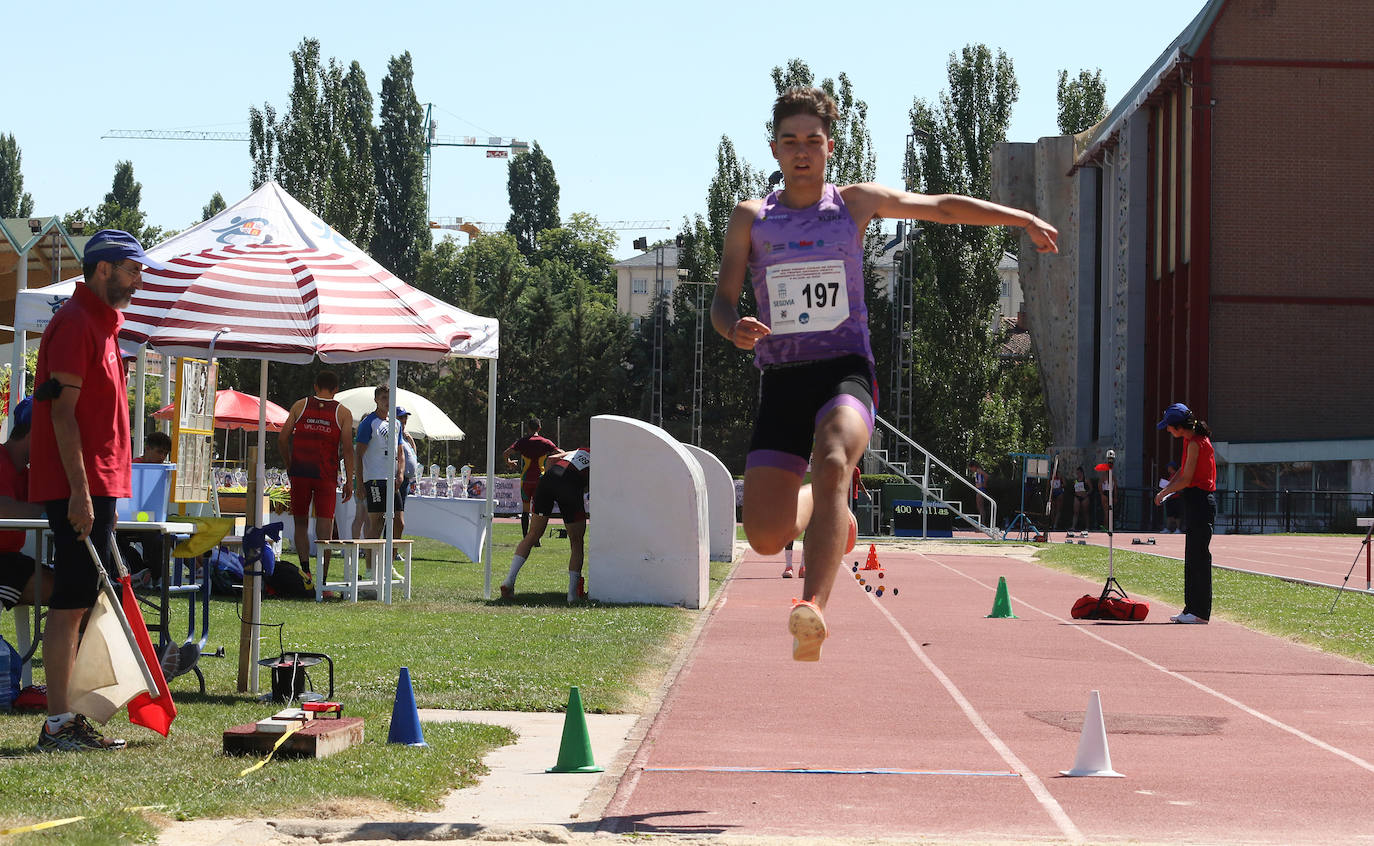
(562, 485)
(792, 400)
(374, 491)
(74, 579)
(16, 569)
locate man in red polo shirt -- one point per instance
(79, 459)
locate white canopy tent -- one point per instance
(239, 271)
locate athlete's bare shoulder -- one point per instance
(747, 209)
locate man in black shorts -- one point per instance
(565, 480)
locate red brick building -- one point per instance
(1217, 227)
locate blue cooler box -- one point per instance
(152, 486)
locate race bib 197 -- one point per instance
(808, 296)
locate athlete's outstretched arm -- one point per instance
(743, 332)
(870, 199)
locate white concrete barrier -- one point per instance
(720, 504)
(647, 539)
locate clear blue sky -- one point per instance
(629, 100)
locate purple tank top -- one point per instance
(806, 266)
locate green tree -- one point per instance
(1082, 101)
(214, 207)
(583, 244)
(305, 154)
(262, 143)
(120, 210)
(352, 205)
(402, 232)
(533, 192)
(956, 286)
(14, 200)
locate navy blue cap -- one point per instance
(23, 412)
(114, 245)
(1174, 415)
(401, 412)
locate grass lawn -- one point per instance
(463, 652)
(1301, 613)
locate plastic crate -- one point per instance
(152, 484)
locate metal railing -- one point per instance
(1238, 512)
(933, 493)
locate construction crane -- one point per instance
(497, 147)
(478, 227)
(174, 135)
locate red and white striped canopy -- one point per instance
(291, 304)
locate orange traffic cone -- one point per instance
(872, 562)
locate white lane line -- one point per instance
(1037, 787)
(1259, 715)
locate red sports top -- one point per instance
(315, 440)
(1205, 470)
(81, 340)
(14, 483)
(533, 449)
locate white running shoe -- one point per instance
(1186, 617)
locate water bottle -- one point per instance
(11, 667)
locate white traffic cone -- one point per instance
(1093, 758)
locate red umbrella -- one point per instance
(236, 410)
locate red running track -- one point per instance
(1322, 560)
(1224, 735)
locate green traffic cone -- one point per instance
(575, 751)
(1001, 606)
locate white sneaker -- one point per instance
(1186, 617)
(787, 572)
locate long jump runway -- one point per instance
(925, 718)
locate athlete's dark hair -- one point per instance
(326, 380)
(805, 101)
(1199, 427)
(536, 424)
(379, 390)
(158, 440)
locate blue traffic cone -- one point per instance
(575, 750)
(405, 718)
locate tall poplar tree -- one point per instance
(212, 208)
(14, 200)
(402, 232)
(533, 192)
(352, 204)
(121, 208)
(956, 286)
(1082, 101)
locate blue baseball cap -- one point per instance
(115, 245)
(23, 412)
(401, 412)
(1174, 415)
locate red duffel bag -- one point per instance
(1089, 607)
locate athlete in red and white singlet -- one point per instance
(311, 443)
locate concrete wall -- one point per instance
(720, 504)
(649, 542)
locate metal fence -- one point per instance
(1238, 512)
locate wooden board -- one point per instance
(318, 739)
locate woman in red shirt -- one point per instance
(1196, 483)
